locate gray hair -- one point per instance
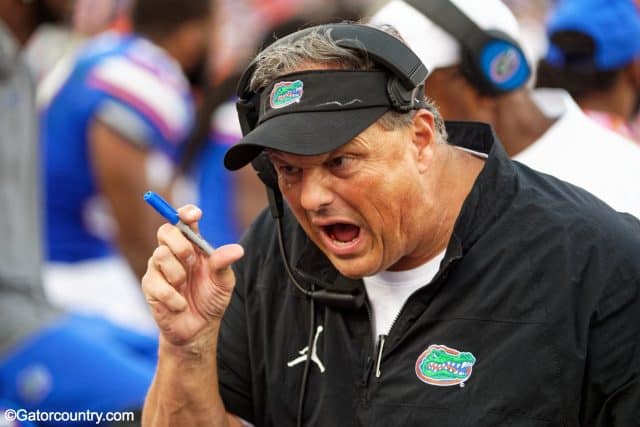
(318, 48)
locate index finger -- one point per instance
(190, 215)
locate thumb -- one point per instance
(223, 257)
(222, 280)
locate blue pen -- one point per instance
(167, 211)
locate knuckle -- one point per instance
(144, 282)
(150, 265)
(149, 286)
(185, 252)
(176, 276)
(164, 231)
(164, 293)
(161, 253)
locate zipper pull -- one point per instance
(381, 339)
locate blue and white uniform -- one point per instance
(130, 84)
(135, 88)
(216, 186)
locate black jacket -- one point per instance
(538, 292)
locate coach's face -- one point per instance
(357, 203)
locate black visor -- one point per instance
(313, 112)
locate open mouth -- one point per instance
(342, 234)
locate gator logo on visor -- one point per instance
(286, 93)
(443, 366)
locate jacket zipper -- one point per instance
(382, 338)
(369, 362)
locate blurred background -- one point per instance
(132, 95)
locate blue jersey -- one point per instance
(215, 184)
(132, 86)
(219, 224)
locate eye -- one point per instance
(340, 163)
(288, 174)
(288, 170)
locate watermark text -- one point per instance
(87, 416)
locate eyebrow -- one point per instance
(280, 157)
(275, 156)
(340, 151)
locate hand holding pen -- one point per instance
(187, 289)
(171, 215)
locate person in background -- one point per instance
(111, 131)
(594, 54)
(53, 48)
(544, 129)
(50, 360)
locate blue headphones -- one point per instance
(491, 60)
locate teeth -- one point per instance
(339, 243)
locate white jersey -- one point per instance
(580, 151)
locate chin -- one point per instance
(354, 269)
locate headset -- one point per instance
(405, 89)
(407, 71)
(491, 60)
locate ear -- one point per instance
(424, 138)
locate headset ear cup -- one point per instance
(497, 65)
(269, 177)
(265, 170)
(401, 98)
(247, 113)
(504, 63)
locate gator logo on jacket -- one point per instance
(443, 366)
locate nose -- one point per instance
(315, 190)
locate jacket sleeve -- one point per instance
(238, 352)
(234, 367)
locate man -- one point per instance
(594, 54)
(49, 360)
(110, 133)
(544, 129)
(405, 281)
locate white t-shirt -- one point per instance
(389, 290)
(578, 150)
